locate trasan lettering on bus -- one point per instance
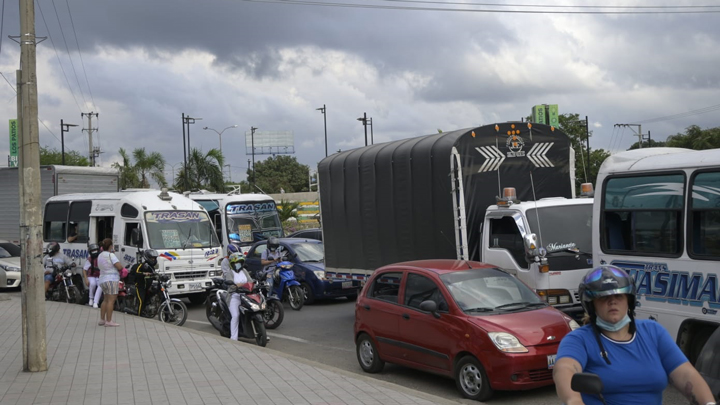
(75, 253)
(176, 215)
(675, 287)
(250, 208)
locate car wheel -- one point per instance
(352, 297)
(367, 354)
(471, 379)
(309, 296)
(197, 298)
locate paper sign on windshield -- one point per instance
(245, 232)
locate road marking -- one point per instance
(271, 334)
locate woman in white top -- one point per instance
(110, 268)
(240, 277)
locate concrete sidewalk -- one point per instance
(147, 362)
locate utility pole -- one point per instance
(64, 128)
(185, 176)
(252, 145)
(323, 110)
(638, 134)
(90, 130)
(33, 284)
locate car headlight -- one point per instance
(319, 274)
(9, 268)
(573, 325)
(507, 343)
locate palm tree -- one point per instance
(203, 172)
(287, 210)
(151, 165)
(128, 176)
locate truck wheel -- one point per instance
(309, 296)
(471, 379)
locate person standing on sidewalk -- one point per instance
(92, 275)
(110, 268)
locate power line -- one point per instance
(551, 6)
(683, 115)
(80, 53)
(2, 23)
(58, 56)
(68, 52)
(686, 10)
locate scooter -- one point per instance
(275, 312)
(252, 310)
(286, 286)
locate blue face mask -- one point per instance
(612, 327)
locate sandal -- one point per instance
(101, 323)
(111, 324)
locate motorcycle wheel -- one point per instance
(75, 296)
(261, 336)
(180, 312)
(296, 297)
(274, 314)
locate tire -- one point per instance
(261, 337)
(309, 295)
(75, 296)
(471, 379)
(178, 308)
(367, 354)
(197, 298)
(352, 297)
(295, 297)
(274, 314)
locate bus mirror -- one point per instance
(136, 238)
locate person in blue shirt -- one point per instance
(635, 359)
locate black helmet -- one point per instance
(603, 281)
(94, 250)
(150, 256)
(52, 248)
(273, 243)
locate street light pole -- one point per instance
(220, 133)
(187, 120)
(323, 110)
(252, 145)
(64, 128)
(372, 141)
(364, 120)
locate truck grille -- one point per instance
(185, 275)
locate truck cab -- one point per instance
(547, 244)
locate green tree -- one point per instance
(203, 172)
(280, 172)
(576, 130)
(53, 156)
(135, 175)
(695, 138)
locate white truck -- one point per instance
(437, 196)
(177, 227)
(54, 180)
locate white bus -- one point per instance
(177, 227)
(241, 219)
(657, 215)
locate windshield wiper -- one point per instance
(479, 309)
(512, 304)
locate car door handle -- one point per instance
(367, 307)
(406, 316)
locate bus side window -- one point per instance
(616, 232)
(80, 214)
(54, 221)
(129, 227)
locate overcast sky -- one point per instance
(271, 65)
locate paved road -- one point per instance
(323, 332)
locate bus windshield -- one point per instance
(250, 222)
(556, 240)
(179, 230)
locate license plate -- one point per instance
(347, 284)
(195, 286)
(551, 360)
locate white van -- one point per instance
(241, 219)
(177, 227)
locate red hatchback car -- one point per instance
(466, 320)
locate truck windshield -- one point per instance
(575, 232)
(179, 230)
(250, 222)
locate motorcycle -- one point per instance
(252, 309)
(62, 287)
(286, 286)
(275, 312)
(157, 301)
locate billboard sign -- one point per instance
(553, 115)
(269, 142)
(538, 114)
(13, 157)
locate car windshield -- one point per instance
(9, 250)
(557, 239)
(309, 252)
(486, 290)
(180, 230)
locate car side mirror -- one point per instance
(430, 306)
(587, 383)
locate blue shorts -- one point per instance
(49, 277)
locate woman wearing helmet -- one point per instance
(634, 358)
(53, 260)
(240, 277)
(225, 263)
(91, 273)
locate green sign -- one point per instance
(13, 158)
(553, 115)
(538, 114)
